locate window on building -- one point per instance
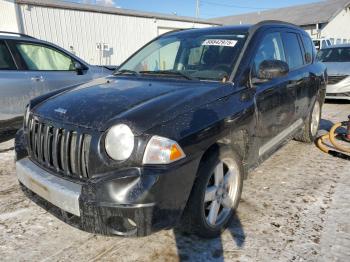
(332, 40)
(293, 51)
(271, 48)
(338, 41)
(6, 61)
(42, 58)
(317, 44)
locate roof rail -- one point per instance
(272, 22)
(14, 33)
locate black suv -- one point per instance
(169, 138)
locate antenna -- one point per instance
(197, 8)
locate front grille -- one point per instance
(64, 151)
(332, 80)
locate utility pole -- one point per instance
(197, 8)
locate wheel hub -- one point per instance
(221, 192)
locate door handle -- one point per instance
(37, 78)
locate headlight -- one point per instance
(119, 142)
(161, 150)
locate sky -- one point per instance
(208, 8)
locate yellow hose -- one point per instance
(331, 136)
(320, 143)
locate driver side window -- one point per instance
(271, 48)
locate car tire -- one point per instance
(215, 194)
(308, 133)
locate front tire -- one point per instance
(311, 125)
(215, 194)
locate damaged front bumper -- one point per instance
(130, 202)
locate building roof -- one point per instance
(308, 14)
(112, 10)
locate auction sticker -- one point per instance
(220, 42)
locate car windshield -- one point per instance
(339, 54)
(189, 55)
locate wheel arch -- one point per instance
(238, 141)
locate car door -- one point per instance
(51, 66)
(299, 75)
(275, 100)
(16, 87)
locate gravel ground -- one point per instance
(295, 207)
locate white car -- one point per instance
(321, 43)
(30, 67)
(337, 60)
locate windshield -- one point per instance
(189, 55)
(341, 54)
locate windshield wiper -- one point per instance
(168, 72)
(127, 72)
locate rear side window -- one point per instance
(309, 49)
(293, 50)
(6, 61)
(38, 57)
(271, 48)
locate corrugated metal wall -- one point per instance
(8, 19)
(80, 31)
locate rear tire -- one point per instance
(308, 133)
(215, 194)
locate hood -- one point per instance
(338, 68)
(140, 102)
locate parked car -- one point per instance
(30, 67)
(322, 43)
(337, 60)
(171, 135)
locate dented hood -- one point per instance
(140, 102)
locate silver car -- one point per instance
(30, 67)
(337, 60)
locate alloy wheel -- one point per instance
(221, 192)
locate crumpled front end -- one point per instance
(58, 165)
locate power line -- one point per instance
(235, 6)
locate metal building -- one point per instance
(98, 34)
(329, 19)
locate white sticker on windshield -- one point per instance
(220, 42)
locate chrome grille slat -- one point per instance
(73, 150)
(79, 144)
(65, 155)
(45, 144)
(30, 131)
(63, 150)
(35, 138)
(55, 148)
(40, 142)
(85, 155)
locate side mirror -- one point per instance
(79, 68)
(271, 69)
